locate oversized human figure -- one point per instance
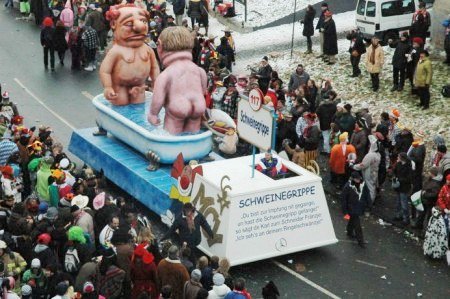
(130, 61)
(181, 87)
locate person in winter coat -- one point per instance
(172, 272)
(330, 47)
(96, 21)
(264, 74)
(219, 289)
(189, 225)
(47, 33)
(435, 244)
(109, 277)
(270, 291)
(144, 274)
(419, 28)
(403, 173)
(59, 41)
(340, 157)
(43, 174)
(423, 77)
(353, 206)
(178, 10)
(308, 26)
(311, 136)
(359, 141)
(77, 241)
(412, 61)
(443, 201)
(446, 25)
(369, 167)
(43, 252)
(297, 153)
(122, 244)
(195, 11)
(399, 60)
(226, 54)
(417, 153)
(66, 16)
(13, 262)
(90, 44)
(298, 78)
(193, 286)
(356, 50)
(374, 62)
(239, 291)
(36, 279)
(319, 26)
(345, 120)
(430, 191)
(325, 112)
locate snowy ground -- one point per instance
(261, 12)
(276, 42)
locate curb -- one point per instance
(235, 26)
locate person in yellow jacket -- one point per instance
(422, 80)
(374, 62)
(13, 262)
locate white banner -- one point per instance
(255, 127)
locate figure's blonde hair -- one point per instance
(176, 38)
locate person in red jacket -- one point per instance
(444, 196)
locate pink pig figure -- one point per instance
(181, 87)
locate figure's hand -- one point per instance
(109, 93)
(153, 119)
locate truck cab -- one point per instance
(386, 19)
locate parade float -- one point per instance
(153, 146)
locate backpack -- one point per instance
(446, 91)
(71, 260)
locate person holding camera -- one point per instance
(357, 49)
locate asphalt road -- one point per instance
(392, 266)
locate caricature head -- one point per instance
(174, 39)
(129, 23)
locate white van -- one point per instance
(385, 18)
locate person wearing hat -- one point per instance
(353, 207)
(394, 126)
(81, 217)
(357, 48)
(35, 278)
(264, 74)
(330, 47)
(413, 60)
(42, 250)
(178, 9)
(26, 291)
(227, 33)
(13, 262)
(193, 286)
(422, 79)
(319, 26)
(421, 23)
(144, 274)
(47, 33)
(172, 272)
(374, 62)
(9, 184)
(399, 60)
(219, 289)
(339, 159)
(61, 290)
